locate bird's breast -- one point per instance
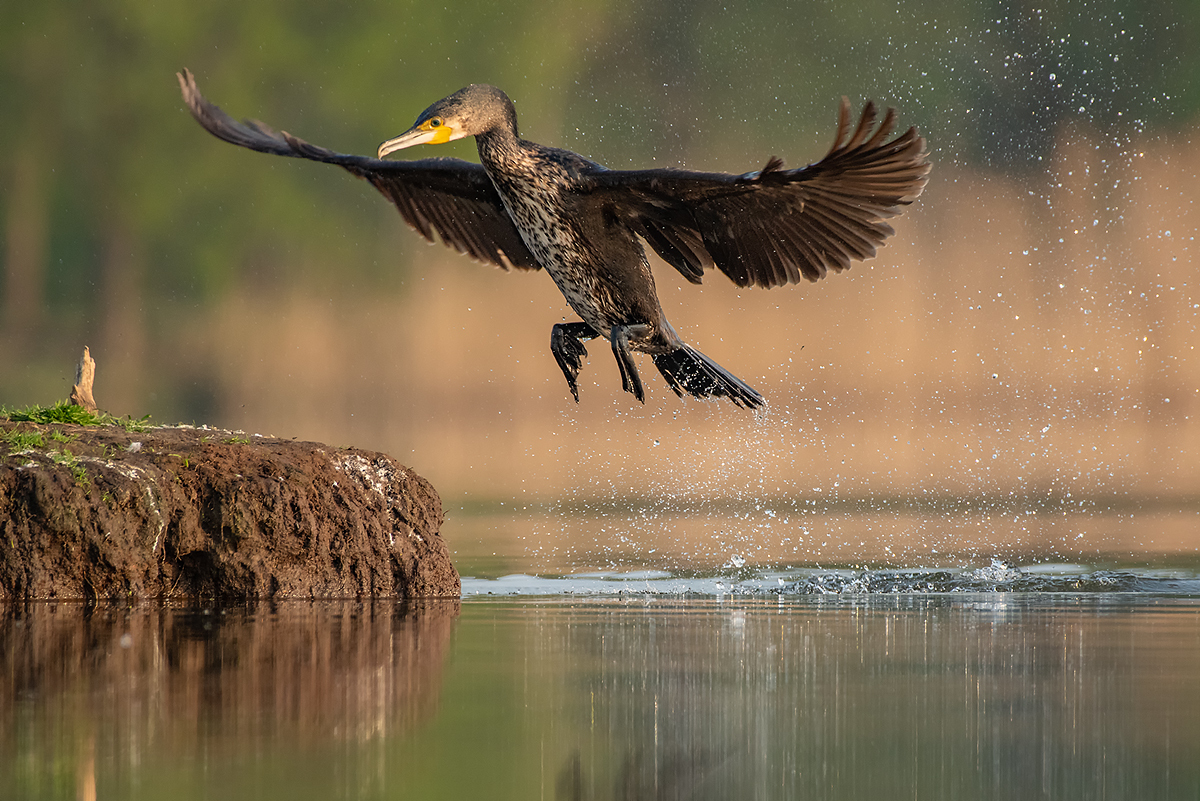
(599, 266)
(539, 211)
(539, 215)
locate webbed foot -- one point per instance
(630, 380)
(566, 343)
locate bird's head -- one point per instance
(475, 110)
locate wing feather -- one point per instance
(776, 226)
(451, 198)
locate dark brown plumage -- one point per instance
(529, 206)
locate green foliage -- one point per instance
(237, 440)
(60, 412)
(71, 462)
(58, 436)
(68, 413)
(128, 422)
(21, 441)
(18, 441)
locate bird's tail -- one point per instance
(688, 370)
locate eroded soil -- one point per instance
(102, 512)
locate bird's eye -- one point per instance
(436, 122)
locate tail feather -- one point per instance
(688, 370)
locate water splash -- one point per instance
(997, 577)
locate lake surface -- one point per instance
(803, 684)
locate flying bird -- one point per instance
(528, 206)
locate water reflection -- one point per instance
(975, 695)
(992, 697)
(113, 693)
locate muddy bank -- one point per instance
(104, 512)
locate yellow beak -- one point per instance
(419, 135)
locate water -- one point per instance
(627, 686)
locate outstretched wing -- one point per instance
(775, 226)
(451, 197)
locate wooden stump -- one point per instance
(85, 374)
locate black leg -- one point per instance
(630, 380)
(566, 343)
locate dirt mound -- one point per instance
(103, 512)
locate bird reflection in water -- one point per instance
(672, 776)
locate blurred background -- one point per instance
(1014, 374)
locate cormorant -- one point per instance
(529, 206)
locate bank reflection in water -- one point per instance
(163, 701)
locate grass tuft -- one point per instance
(71, 462)
(18, 441)
(65, 412)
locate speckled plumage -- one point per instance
(606, 280)
(529, 206)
